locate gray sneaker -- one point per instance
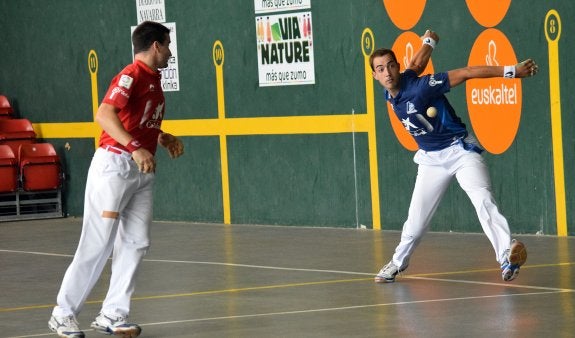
(65, 327)
(387, 273)
(116, 325)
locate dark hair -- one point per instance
(381, 52)
(147, 33)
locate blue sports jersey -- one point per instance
(410, 105)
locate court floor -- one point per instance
(213, 280)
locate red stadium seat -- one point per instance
(14, 132)
(39, 167)
(6, 111)
(8, 170)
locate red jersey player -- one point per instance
(118, 199)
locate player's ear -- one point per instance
(156, 45)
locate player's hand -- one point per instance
(526, 68)
(430, 34)
(145, 160)
(173, 144)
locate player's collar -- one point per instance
(146, 68)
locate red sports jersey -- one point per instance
(137, 92)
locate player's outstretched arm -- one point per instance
(173, 144)
(423, 54)
(523, 69)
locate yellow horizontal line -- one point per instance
(229, 126)
(254, 288)
(67, 129)
(191, 294)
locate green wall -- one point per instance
(300, 179)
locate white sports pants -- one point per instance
(114, 184)
(435, 171)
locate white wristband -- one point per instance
(509, 72)
(429, 41)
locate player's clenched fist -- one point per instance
(526, 68)
(173, 144)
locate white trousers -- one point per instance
(435, 172)
(114, 184)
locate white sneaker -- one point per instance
(65, 327)
(387, 273)
(116, 325)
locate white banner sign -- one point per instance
(285, 49)
(170, 74)
(151, 10)
(268, 6)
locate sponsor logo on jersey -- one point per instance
(408, 124)
(125, 81)
(154, 124)
(152, 118)
(117, 90)
(415, 130)
(411, 108)
(433, 82)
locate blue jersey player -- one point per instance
(446, 150)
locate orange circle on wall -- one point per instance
(494, 104)
(488, 13)
(405, 13)
(404, 47)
